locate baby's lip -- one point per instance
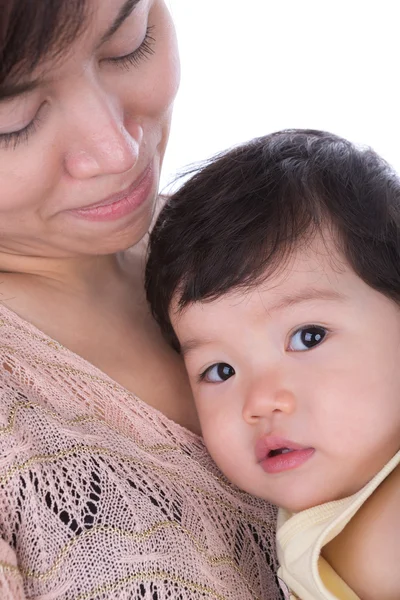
(270, 442)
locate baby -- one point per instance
(275, 271)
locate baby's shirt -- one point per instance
(301, 537)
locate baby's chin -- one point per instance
(301, 501)
(296, 498)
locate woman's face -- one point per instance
(80, 154)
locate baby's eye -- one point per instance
(217, 373)
(307, 337)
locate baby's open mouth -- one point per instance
(278, 451)
(276, 454)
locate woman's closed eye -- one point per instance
(13, 138)
(307, 338)
(145, 50)
(217, 373)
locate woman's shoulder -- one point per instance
(11, 583)
(136, 486)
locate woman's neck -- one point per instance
(80, 273)
(97, 308)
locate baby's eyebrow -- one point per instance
(193, 344)
(286, 301)
(305, 296)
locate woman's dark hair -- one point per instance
(31, 30)
(242, 216)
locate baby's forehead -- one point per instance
(310, 266)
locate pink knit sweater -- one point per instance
(101, 496)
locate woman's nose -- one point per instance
(265, 398)
(99, 143)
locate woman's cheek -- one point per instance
(25, 177)
(162, 78)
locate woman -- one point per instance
(102, 494)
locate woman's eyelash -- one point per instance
(15, 138)
(145, 50)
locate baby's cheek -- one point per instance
(211, 426)
(223, 442)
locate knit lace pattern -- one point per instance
(103, 497)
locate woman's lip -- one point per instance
(120, 204)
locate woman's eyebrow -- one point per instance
(124, 13)
(12, 90)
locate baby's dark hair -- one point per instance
(241, 217)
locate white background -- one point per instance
(250, 67)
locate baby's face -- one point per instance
(297, 382)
